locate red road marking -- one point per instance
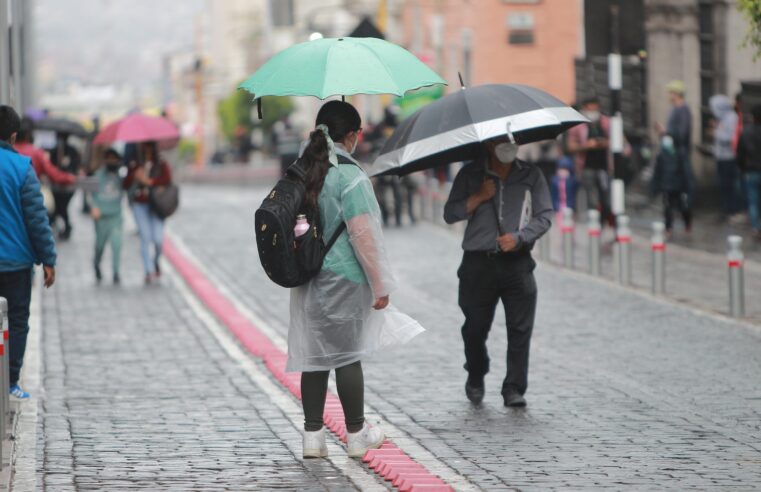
(274, 359)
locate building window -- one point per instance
(520, 27)
(708, 76)
(282, 13)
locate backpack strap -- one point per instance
(342, 160)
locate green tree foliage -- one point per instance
(239, 110)
(751, 9)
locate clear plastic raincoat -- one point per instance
(332, 320)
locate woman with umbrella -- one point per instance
(148, 177)
(336, 317)
(148, 172)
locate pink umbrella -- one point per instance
(138, 127)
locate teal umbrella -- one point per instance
(341, 67)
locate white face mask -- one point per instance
(506, 152)
(592, 115)
(354, 147)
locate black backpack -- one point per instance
(291, 261)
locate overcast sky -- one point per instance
(111, 41)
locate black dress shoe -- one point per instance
(514, 399)
(474, 393)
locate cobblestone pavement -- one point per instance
(138, 395)
(626, 391)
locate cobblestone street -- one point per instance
(142, 388)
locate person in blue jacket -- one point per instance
(25, 240)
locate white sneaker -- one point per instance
(368, 438)
(314, 444)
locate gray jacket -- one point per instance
(525, 185)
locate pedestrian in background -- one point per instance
(749, 158)
(286, 140)
(590, 145)
(343, 314)
(148, 172)
(26, 239)
(508, 207)
(40, 160)
(68, 159)
(727, 169)
(672, 181)
(679, 128)
(106, 212)
(563, 185)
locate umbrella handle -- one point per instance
(259, 107)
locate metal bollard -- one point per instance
(593, 230)
(4, 358)
(735, 259)
(623, 248)
(658, 245)
(544, 247)
(4, 416)
(432, 192)
(567, 229)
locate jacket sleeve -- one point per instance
(455, 209)
(165, 175)
(541, 218)
(56, 175)
(36, 219)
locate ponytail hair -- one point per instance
(316, 158)
(341, 118)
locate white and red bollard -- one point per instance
(567, 228)
(623, 250)
(658, 246)
(735, 260)
(593, 231)
(4, 416)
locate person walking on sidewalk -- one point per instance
(342, 314)
(723, 151)
(672, 181)
(148, 172)
(508, 207)
(40, 161)
(67, 159)
(590, 144)
(679, 128)
(106, 211)
(749, 158)
(26, 239)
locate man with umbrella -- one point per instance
(505, 201)
(508, 207)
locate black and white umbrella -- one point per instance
(453, 128)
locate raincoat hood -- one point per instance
(720, 105)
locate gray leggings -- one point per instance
(351, 391)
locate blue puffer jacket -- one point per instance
(25, 235)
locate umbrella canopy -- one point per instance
(138, 127)
(453, 128)
(341, 66)
(61, 125)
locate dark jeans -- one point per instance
(676, 200)
(16, 287)
(484, 281)
(62, 199)
(731, 196)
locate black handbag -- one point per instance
(164, 200)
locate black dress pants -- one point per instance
(485, 279)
